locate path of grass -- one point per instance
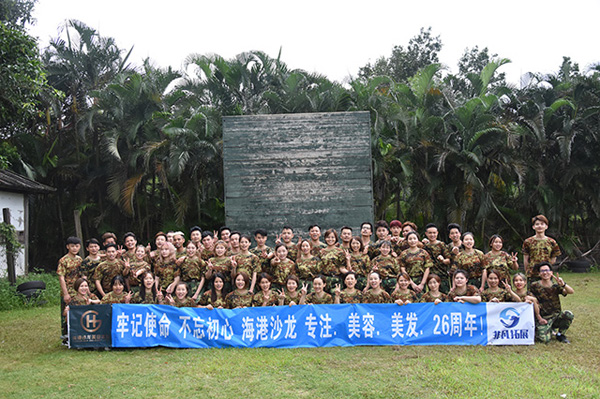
(34, 364)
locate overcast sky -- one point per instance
(333, 37)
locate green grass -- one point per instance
(34, 364)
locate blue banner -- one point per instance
(323, 325)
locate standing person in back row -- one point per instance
(538, 248)
(69, 270)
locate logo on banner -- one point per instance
(509, 317)
(90, 321)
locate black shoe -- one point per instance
(562, 338)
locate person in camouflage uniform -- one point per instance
(440, 255)
(375, 294)
(496, 294)
(463, 292)
(192, 269)
(81, 297)
(263, 251)
(358, 262)
(499, 260)
(291, 295)
(333, 259)
(349, 294)
(433, 293)
(402, 295)
(148, 294)
(386, 266)
(285, 238)
(472, 261)
(166, 269)
(69, 270)
(548, 295)
(215, 296)
(137, 267)
(220, 264)
(117, 295)
(108, 270)
(282, 266)
(130, 242)
(241, 297)
(181, 298)
(318, 296)
(266, 296)
(207, 251)
(314, 231)
(246, 262)
(415, 262)
(539, 248)
(308, 265)
(90, 262)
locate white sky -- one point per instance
(334, 37)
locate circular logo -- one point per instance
(509, 317)
(90, 322)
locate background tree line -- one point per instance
(139, 148)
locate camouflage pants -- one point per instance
(560, 321)
(330, 282)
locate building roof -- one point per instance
(10, 181)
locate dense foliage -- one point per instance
(140, 148)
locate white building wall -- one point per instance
(16, 203)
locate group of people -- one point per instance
(221, 270)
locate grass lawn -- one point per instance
(34, 364)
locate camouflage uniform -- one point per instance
(427, 297)
(387, 267)
(436, 249)
(539, 251)
(128, 256)
(470, 291)
(166, 272)
(502, 295)
(415, 264)
(308, 268)
(88, 267)
(70, 268)
(407, 296)
(206, 300)
(223, 265)
(206, 254)
(316, 251)
(502, 263)
(264, 263)
(331, 262)
(550, 309)
(234, 300)
(292, 251)
(106, 271)
(373, 250)
(259, 299)
(361, 265)
(148, 300)
(288, 299)
(75, 301)
(312, 299)
(187, 302)
(136, 266)
(282, 270)
(180, 254)
(191, 272)
(473, 263)
(382, 297)
(346, 297)
(111, 297)
(248, 263)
